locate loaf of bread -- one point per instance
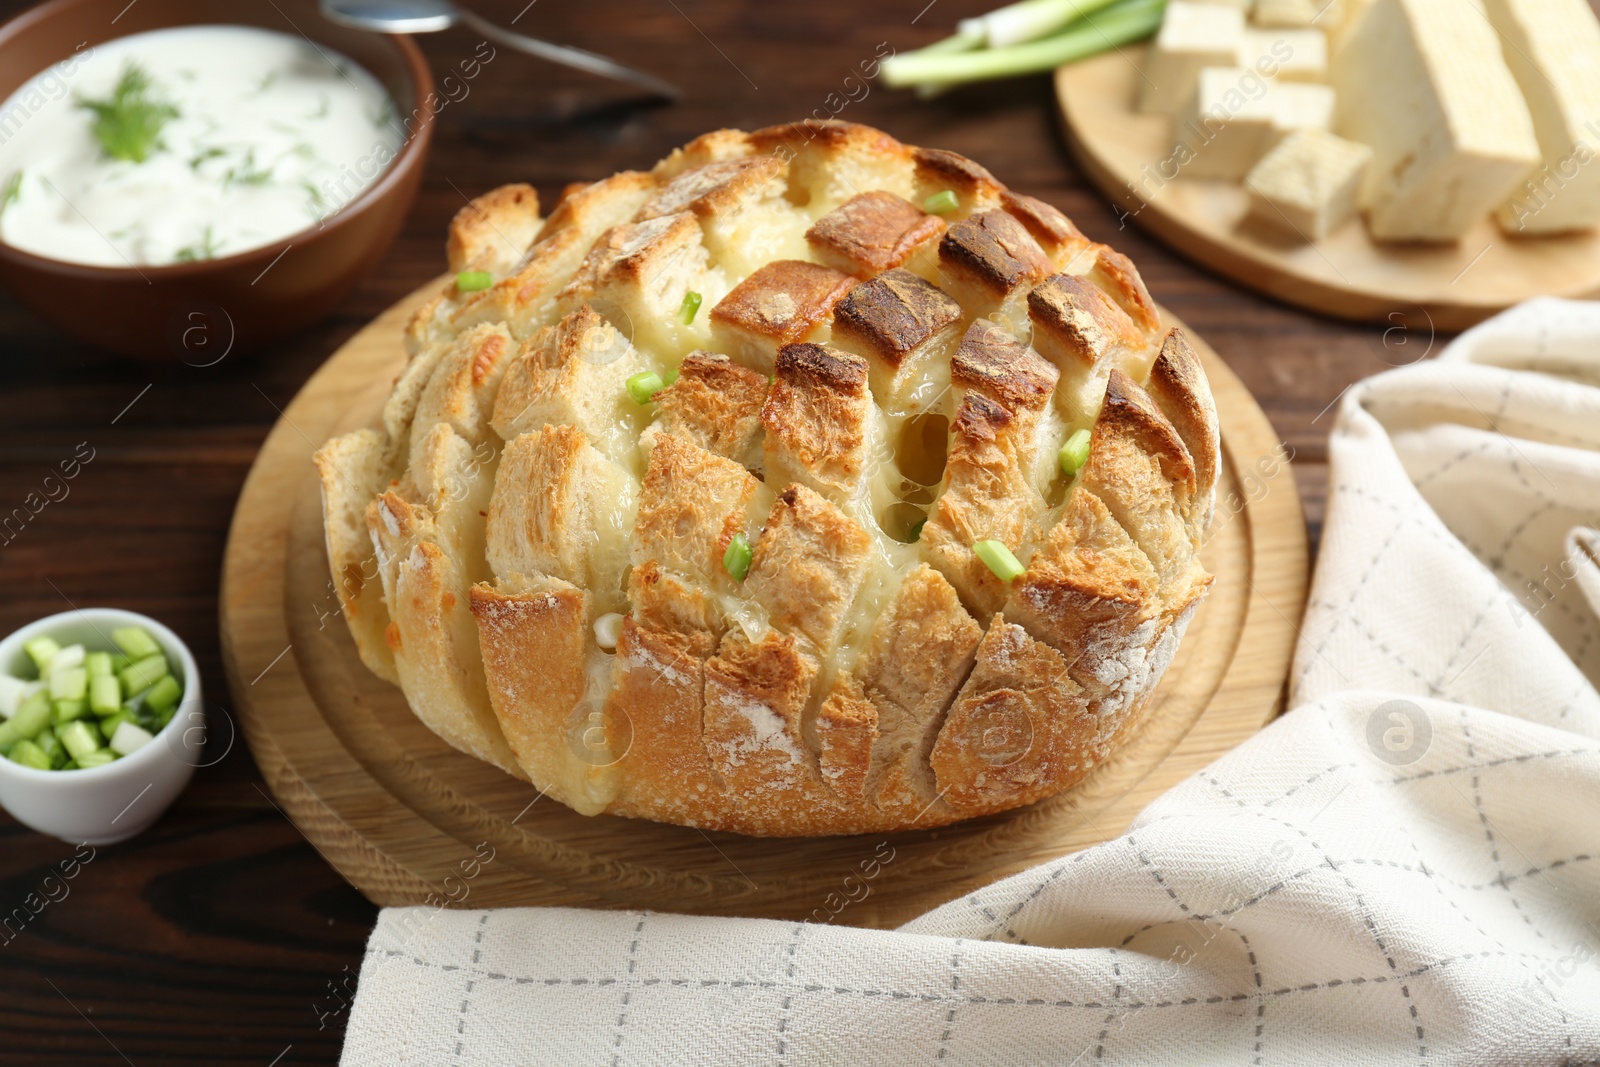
(875, 354)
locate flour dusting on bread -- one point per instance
(765, 404)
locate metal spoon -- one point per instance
(430, 16)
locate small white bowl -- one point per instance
(110, 803)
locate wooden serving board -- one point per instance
(408, 820)
(1348, 275)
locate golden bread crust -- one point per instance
(781, 303)
(1061, 240)
(902, 324)
(716, 404)
(1019, 724)
(494, 229)
(753, 599)
(988, 256)
(817, 419)
(872, 233)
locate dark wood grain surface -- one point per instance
(220, 936)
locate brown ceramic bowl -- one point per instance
(197, 312)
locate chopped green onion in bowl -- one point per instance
(30, 754)
(87, 708)
(472, 281)
(999, 559)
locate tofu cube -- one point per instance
(1192, 37)
(1553, 50)
(1424, 84)
(1308, 184)
(1300, 106)
(1288, 55)
(1229, 125)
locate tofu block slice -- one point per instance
(1289, 55)
(1553, 49)
(1291, 14)
(1342, 21)
(1307, 186)
(1424, 84)
(1192, 37)
(1228, 124)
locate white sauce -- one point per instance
(272, 136)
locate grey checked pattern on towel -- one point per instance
(1403, 869)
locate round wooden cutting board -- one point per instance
(408, 820)
(1128, 157)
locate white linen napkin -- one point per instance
(1403, 869)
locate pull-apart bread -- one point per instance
(752, 602)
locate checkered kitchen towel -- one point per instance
(1403, 869)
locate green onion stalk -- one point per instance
(1031, 19)
(1097, 31)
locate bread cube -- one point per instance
(902, 325)
(783, 302)
(871, 233)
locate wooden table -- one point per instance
(220, 936)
